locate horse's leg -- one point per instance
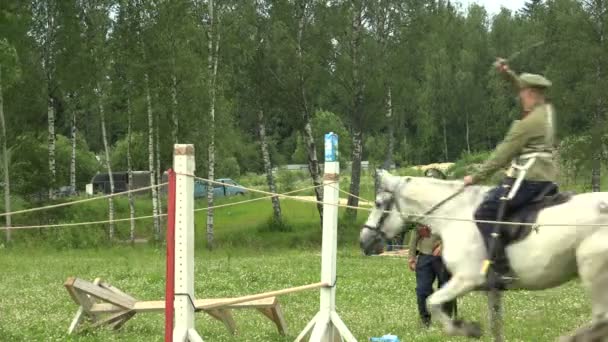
(455, 287)
(592, 260)
(495, 314)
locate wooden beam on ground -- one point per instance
(243, 299)
(103, 294)
(105, 305)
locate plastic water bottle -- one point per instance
(331, 147)
(385, 338)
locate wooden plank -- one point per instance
(84, 309)
(117, 317)
(276, 315)
(158, 305)
(118, 324)
(225, 316)
(249, 298)
(116, 290)
(103, 294)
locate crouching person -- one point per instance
(425, 259)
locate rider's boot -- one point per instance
(501, 274)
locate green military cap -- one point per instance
(526, 80)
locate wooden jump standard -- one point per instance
(104, 304)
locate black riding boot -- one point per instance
(500, 273)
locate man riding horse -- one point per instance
(528, 146)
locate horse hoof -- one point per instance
(468, 329)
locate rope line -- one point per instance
(256, 199)
(446, 218)
(352, 195)
(59, 225)
(67, 204)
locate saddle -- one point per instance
(550, 197)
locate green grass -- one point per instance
(375, 295)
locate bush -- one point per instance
(274, 225)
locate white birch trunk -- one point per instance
(598, 130)
(5, 164)
(313, 161)
(445, 139)
(106, 148)
(51, 144)
(174, 114)
(468, 134)
(213, 37)
(130, 172)
(388, 161)
(357, 111)
(158, 170)
(73, 160)
(276, 204)
(151, 168)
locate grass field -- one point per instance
(376, 295)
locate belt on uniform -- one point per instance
(523, 169)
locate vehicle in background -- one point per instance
(100, 183)
(228, 188)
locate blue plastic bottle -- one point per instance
(385, 338)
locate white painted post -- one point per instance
(183, 164)
(327, 326)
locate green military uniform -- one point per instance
(530, 137)
(528, 145)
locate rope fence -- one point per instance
(76, 224)
(268, 195)
(67, 204)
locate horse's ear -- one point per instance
(380, 178)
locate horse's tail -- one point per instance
(603, 207)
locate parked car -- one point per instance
(229, 188)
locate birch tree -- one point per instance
(276, 205)
(213, 45)
(9, 73)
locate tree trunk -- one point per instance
(445, 139)
(5, 164)
(357, 111)
(158, 171)
(276, 205)
(468, 134)
(73, 161)
(311, 149)
(51, 144)
(106, 148)
(130, 172)
(355, 181)
(598, 129)
(388, 160)
(212, 62)
(155, 203)
(174, 114)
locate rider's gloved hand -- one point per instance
(468, 180)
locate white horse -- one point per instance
(550, 256)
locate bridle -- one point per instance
(406, 218)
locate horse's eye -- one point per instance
(378, 204)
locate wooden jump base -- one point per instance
(105, 305)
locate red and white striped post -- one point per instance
(170, 275)
(179, 296)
